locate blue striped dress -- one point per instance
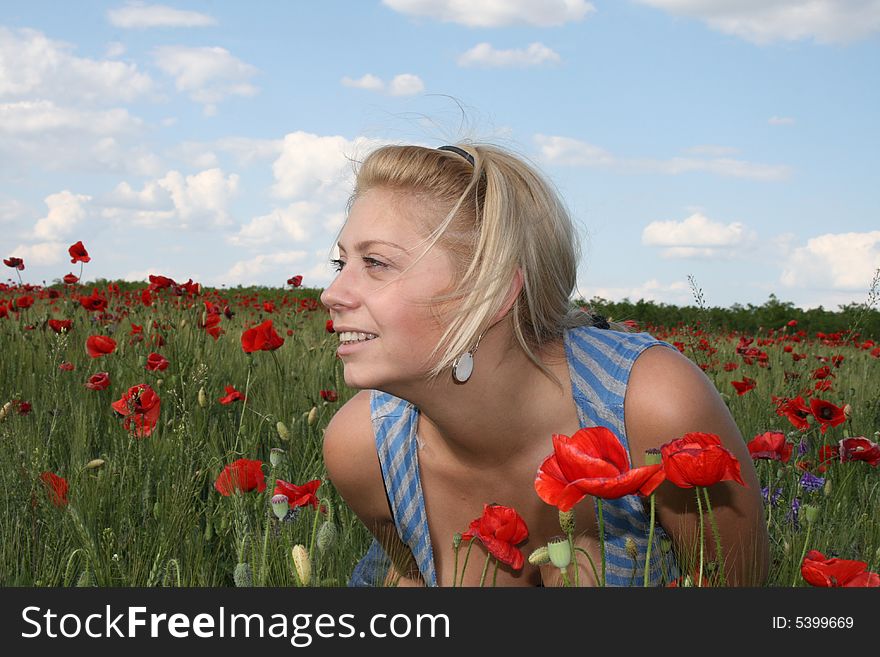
(599, 364)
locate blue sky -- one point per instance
(732, 141)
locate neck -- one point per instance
(490, 419)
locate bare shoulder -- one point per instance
(352, 462)
(668, 396)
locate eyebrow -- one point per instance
(362, 246)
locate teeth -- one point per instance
(352, 336)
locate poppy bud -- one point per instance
(209, 530)
(847, 411)
(632, 550)
(283, 432)
(159, 382)
(326, 535)
(280, 504)
(456, 540)
(786, 546)
(539, 556)
(94, 464)
(567, 521)
(183, 323)
(302, 564)
(826, 490)
(5, 410)
(811, 512)
(203, 398)
(560, 552)
(313, 415)
(276, 456)
(242, 575)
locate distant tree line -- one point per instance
(748, 319)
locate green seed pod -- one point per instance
(283, 432)
(560, 552)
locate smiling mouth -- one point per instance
(351, 337)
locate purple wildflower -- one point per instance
(792, 516)
(803, 446)
(774, 500)
(811, 483)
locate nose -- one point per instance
(338, 294)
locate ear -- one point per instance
(516, 285)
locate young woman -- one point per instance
(453, 309)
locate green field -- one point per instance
(144, 511)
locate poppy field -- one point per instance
(166, 434)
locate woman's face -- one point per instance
(379, 240)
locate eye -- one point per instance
(372, 263)
(337, 265)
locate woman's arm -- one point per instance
(667, 397)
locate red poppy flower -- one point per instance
(819, 571)
(860, 449)
(827, 414)
(59, 325)
(261, 338)
(699, 459)
(241, 475)
(157, 362)
(231, 395)
(15, 263)
(329, 395)
(295, 281)
(140, 407)
(212, 326)
(23, 407)
(70, 278)
(500, 529)
(828, 454)
(796, 411)
(100, 345)
(24, 302)
(56, 487)
(99, 381)
(742, 387)
(94, 301)
(591, 462)
(67, 367)
(730, 366)
(770, 445)
(78, 253)
(298, 495)
(329, 326)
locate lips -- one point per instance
(347, 337)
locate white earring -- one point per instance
(463, 366)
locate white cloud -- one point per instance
(780, 120)
(260, 268)
(572, 152)
(65, 212)
(42, 253)
(201, 199)
(404, 84)
(12, 209)
(697, 237)
(290, 223)
(44, 116)
(312, 166)
(34, 66)
(206, 74)
(140, 15)
(765, 21)
(243, 151)
(677, 293)
(484, 55)
(368, 81)
(843, 261)
(495, 13)
(115, 49)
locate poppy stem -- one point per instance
(495, 575)
(247, 386)
(485, 568)
(467, 556)
(717, 536)
(590, 560)
(650, 544)
(702, 535)
(314, 532)
(601, 537)
(803, 554)
(577, 570)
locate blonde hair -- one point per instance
(501, 215)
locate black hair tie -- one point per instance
(600, 322)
